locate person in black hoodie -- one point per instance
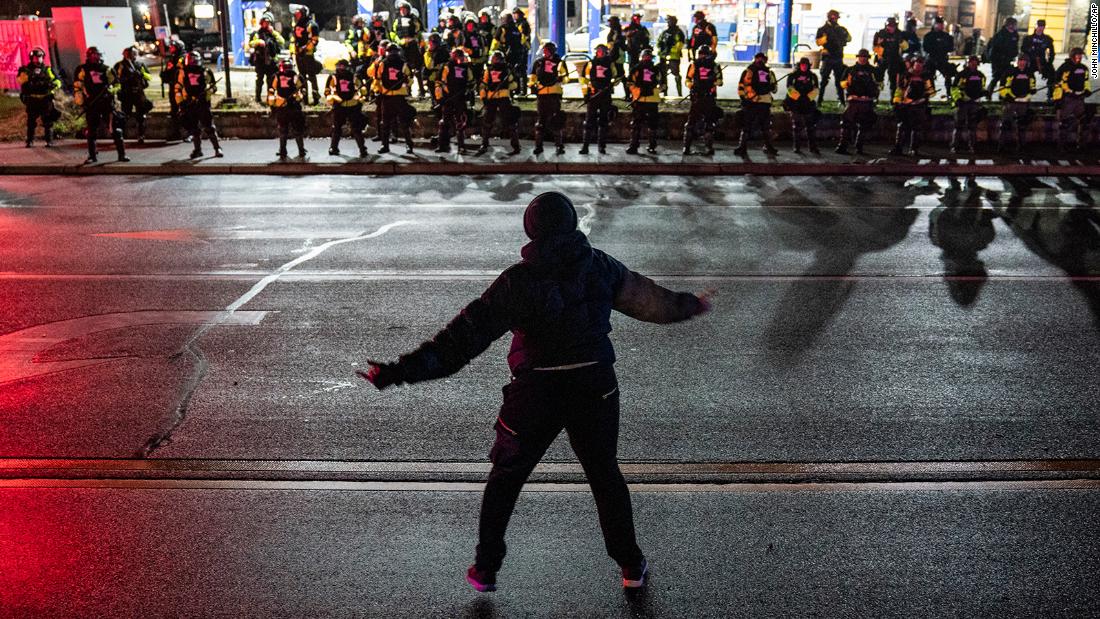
(557, 303)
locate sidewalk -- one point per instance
(258, 157)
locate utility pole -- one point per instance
(223, 26)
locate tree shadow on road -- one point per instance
(837, 238)
(1067, 237)
(961, 228)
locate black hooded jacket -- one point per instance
(557, 303)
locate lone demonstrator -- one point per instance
(557, 303)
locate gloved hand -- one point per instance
(705, 301)
(381, 375)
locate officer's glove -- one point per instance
(381, 375)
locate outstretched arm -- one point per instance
(642, 299)
(477, 326)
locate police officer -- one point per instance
(702, 33)
(496, 89)
(454, 37)
(1016, 88)
(133, 78)
(391, 81)
(938, 45)
(405, 31)
(911, 106)
(862, 83)
(831, 38)
(756, 89)
(1070, 92)
(966, 93)
(801, 104)
(285, 95)
(306, 36)
(703, 78)
(889, 46)
(169, 74)
(435, 56)
(636, 40)
(94, 87)
(670, 48)
(37, 85)
(645, 91)
(547, 75)
(1002, 51)
(377, 25)
(1039, 49)
(562, 363)
(524, 30)
(265, 45)
(616, 45)
(453, 90)
(598, 78)
(193, 91)
(476, 45)
(485, 23)
(509, 41)
(345, 93)
(359, 43)
(912, 39)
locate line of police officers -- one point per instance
(454, 63)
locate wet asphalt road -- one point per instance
(857, 320)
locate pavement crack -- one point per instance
(164, 437)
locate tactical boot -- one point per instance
(601, 140)
(899, 139)
(538, 143)
(30, 137)
(301, 143)
(652, 144)
(560, 144)
(956, 136)
(742, 145)
(709, 142)
(408, 141)
(282, 149)
(334, 145)
(443, 142)
(484, 147)
(49, 137)
(795, 139)
(217, 147)
(196, 150)
(515, 143)
(812, 138)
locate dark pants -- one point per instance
(999, 70)
(755, 116)
(1014, 118)
(646, 116)
(857, 121)
(197, 119)
(414, 58)
(892, 67)
(537, 405)
(1071, 120)
(135, 105)
(699, 120)
(834, 67)
(804, 119)
(967, 116)
(453, 119)
(307, 68)
(944, 68)
(291, 119)
(40, 108)
(263, 78)
(597, 117)
(394, 109)
(354, 118)
(492, 109)
(102, 114)
(550, 120)
(912, 119)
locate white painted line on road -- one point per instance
(401, 486)
(279, 272)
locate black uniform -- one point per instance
(938, 45)
(37, 86)
(305, 31)
(285, 95)
(99, 106)
(173, 61)
(636, 38)
(1002, 51)
(601, 74)
(1073, 89)
(801, 106)
(343, 92)
(889, 46)
(862, 85)
(832, 56)
(704, 76)
(1017, 86)
(645, 84)
(1039, 49)
(457, 89)
(551, 121)
(510, 39)
(195, 85)
(967, 91)
(265, 60)
(557, 304)
(497, 82)
(133, 79)
(912, 111)
(672, 39)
